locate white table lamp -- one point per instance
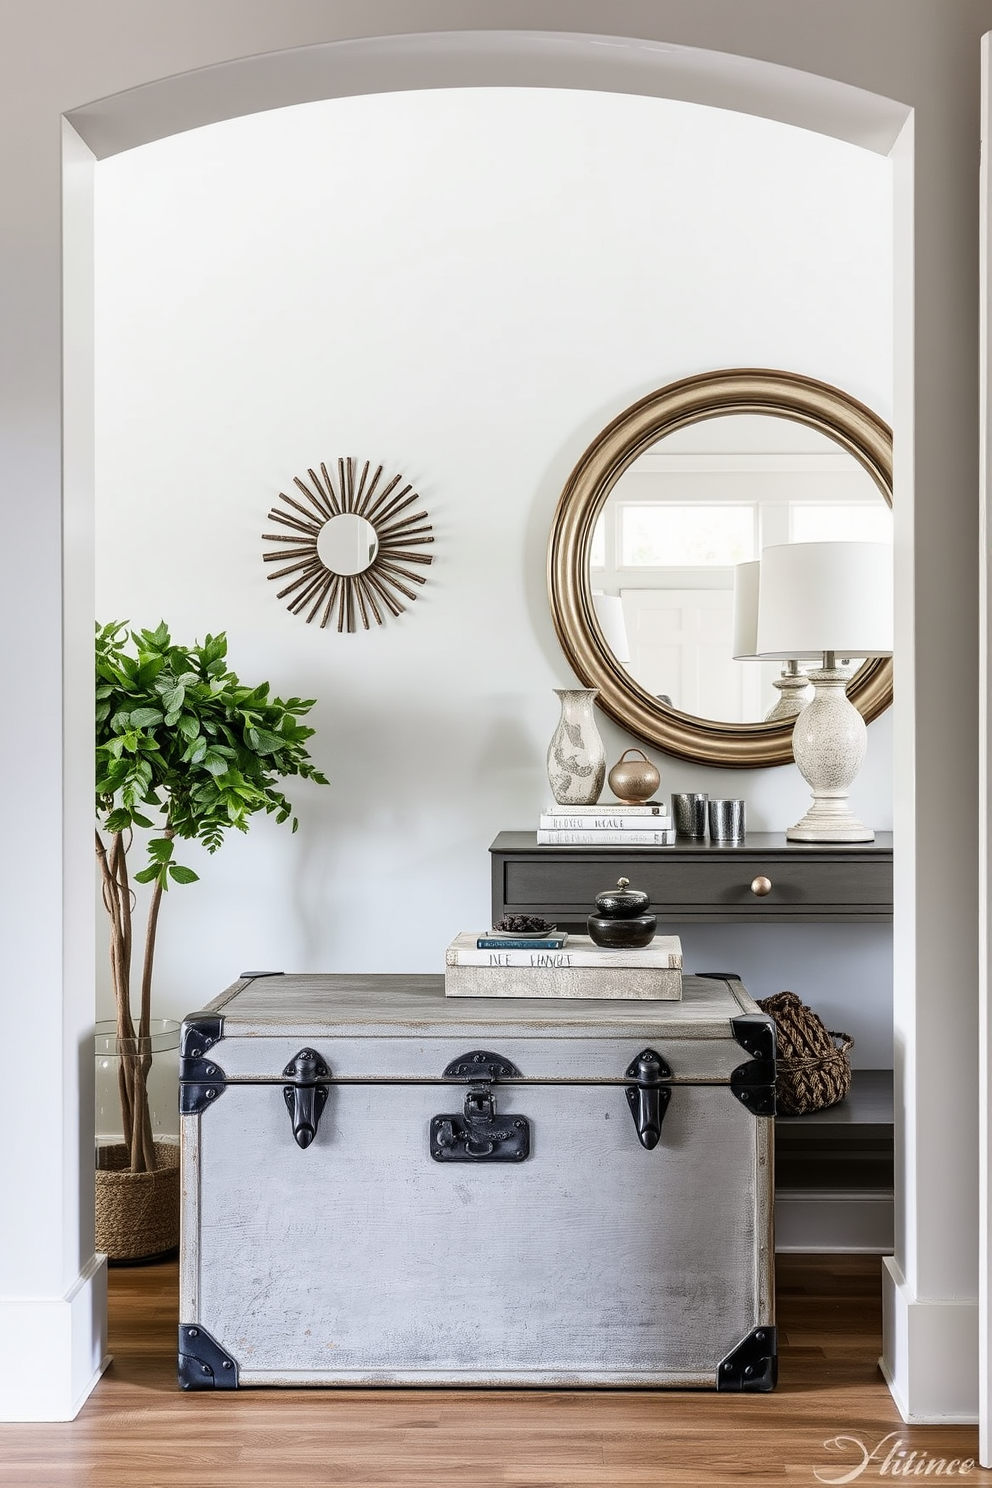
(817, 602)
(793, 685)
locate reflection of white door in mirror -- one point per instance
(678, 644)
(699, 501)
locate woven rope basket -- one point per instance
(137, 1214)
(813, 1068)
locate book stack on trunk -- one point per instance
(562, 965)
(649, 825)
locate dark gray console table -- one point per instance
(846, 1149)
(696, 883)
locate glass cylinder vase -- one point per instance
(576, 756)
(137, 1213)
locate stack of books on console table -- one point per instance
(577, 968)
(649, 825)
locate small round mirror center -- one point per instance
(347, 544)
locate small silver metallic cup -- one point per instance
(689, 811)
(726, 821)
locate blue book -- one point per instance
(509, 942)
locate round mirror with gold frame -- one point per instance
(818, 413)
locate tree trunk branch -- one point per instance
(133, 1049)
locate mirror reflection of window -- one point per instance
(665, 535)
(701, 500)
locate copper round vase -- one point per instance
(634, 781)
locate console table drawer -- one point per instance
(697, 882)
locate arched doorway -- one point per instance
(555, 60)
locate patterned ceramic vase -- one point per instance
(576, 757)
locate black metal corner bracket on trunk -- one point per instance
(648, 1099)
(197, 1036)
(203, 1364)
(752, 1367)
(755, 1032)
(201, 1079)
(753, 1083)
(306, 1097)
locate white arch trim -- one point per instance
(468, 59)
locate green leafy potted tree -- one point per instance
(185, 751)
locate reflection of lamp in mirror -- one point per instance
(609, 613)
(818, 602)
(793, 685)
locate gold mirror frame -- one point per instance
(709, 395)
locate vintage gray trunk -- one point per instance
(565, 1251)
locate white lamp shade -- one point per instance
(746, 577)
(609, 613)
(825, 596)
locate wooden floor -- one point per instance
(139, 1431)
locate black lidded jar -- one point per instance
(622, 920)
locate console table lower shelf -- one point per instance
(834, 1173)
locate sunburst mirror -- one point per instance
(354, 548)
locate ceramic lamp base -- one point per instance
(821, 826)
(829, 742)
(794, 694)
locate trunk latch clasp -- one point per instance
(648, 1098)
(306, 1097)
(479, 1134)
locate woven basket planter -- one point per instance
(812, 1065)
(137, 1214)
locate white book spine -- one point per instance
(547, 837)
(556, 960)
(608, 808)
(609, 822)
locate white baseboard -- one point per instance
(834, 1220)
(54, 1349)
(929, 1354)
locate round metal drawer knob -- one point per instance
(761, 886)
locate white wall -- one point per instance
(466, 286)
